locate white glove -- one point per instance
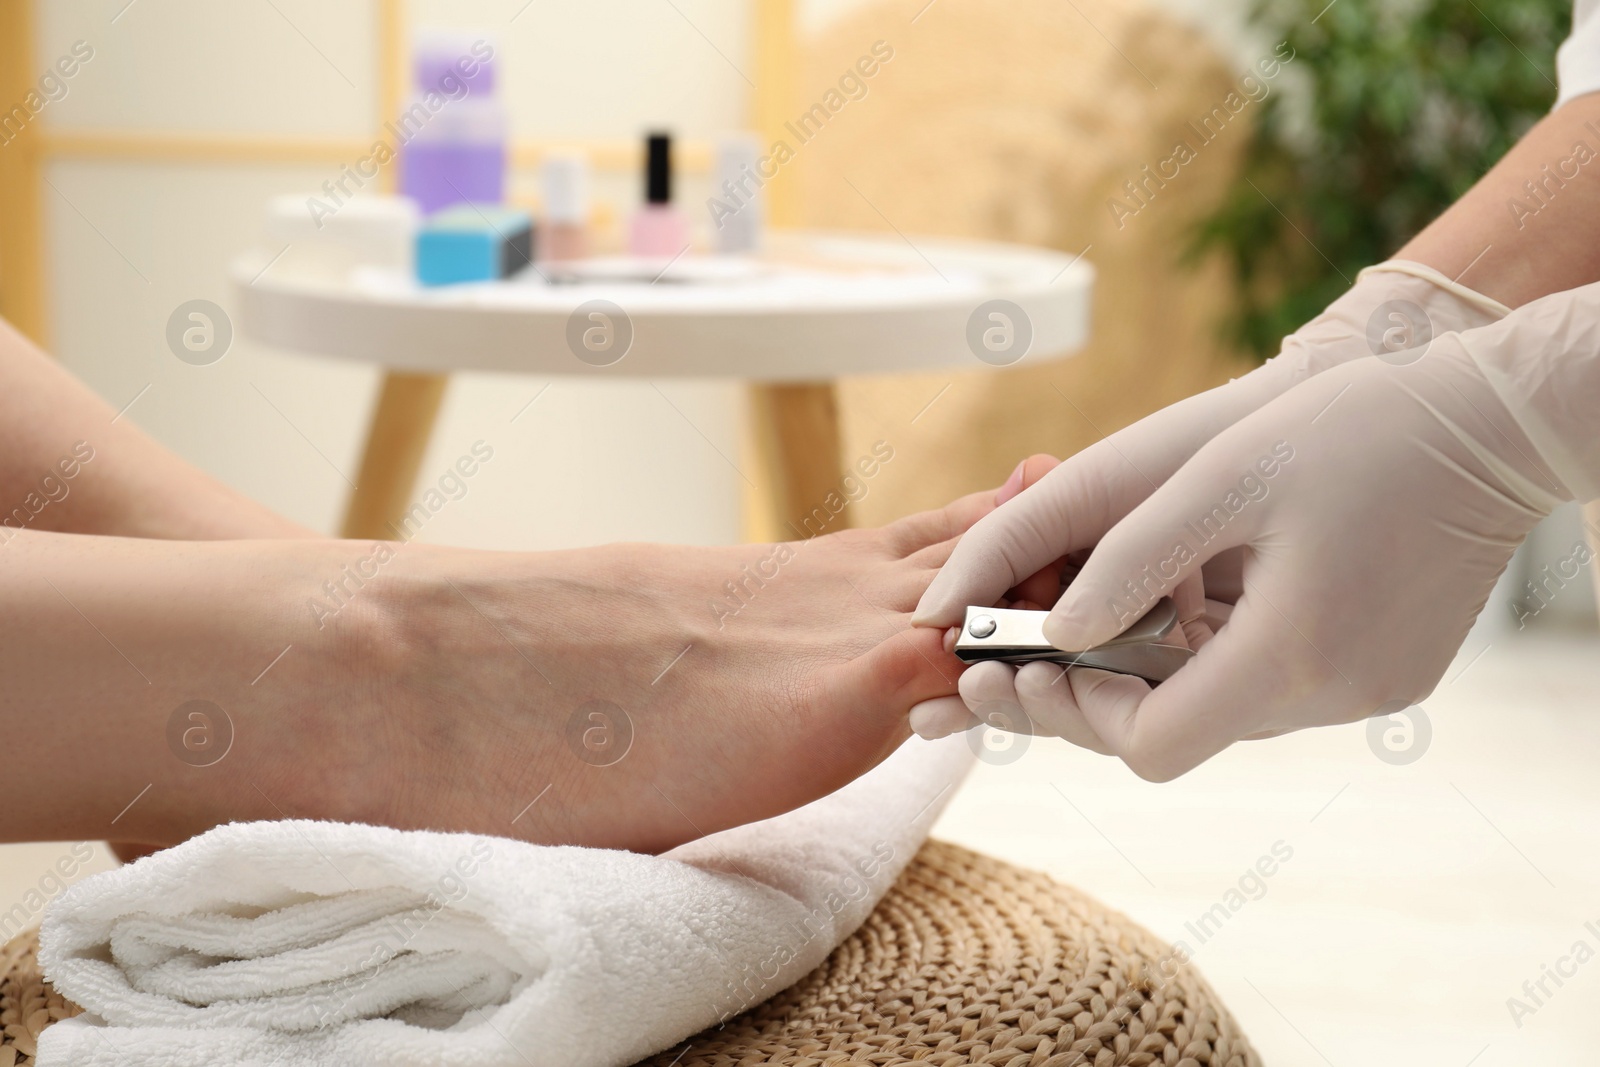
(1377, 503)
(1393, 306)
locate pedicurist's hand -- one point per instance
(1376, 504)
(1019, 546)
(988, 687)
(1397, 303)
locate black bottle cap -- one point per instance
(658, 169)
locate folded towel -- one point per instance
(332, 945)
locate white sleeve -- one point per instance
(1578, 58)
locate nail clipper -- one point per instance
(1009, 635)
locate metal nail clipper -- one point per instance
(1013, 636)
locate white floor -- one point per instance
(1417, 898)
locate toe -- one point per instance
(916, 532)
(862, 707)
(901, 671)
(934, 556)
(1028, 471)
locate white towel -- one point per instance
(332, 945)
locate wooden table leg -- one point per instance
(796, 436)
(396, 441)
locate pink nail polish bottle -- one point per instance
(659, 229)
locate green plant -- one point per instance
(1394, 110)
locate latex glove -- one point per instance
(1397, 303)
(1391, 307)
(1377, 504)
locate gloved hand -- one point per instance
(1377, 503)
(1393, 306)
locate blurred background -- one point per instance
(1424, 890)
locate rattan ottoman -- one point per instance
(967, 960)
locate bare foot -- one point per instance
(632, 696)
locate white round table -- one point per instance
(811, 308)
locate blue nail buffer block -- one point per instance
(473, 244)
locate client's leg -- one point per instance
(619, 696)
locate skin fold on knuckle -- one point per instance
(1109, 703)
(1041, 687)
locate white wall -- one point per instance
(127, 242)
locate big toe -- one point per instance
(876, 690)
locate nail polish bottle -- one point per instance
(738, 209)
(564, 229)
(659, 229)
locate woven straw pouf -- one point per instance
(967, 960)
(27, 1002)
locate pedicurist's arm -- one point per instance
(68, 463)
(1531, 226)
